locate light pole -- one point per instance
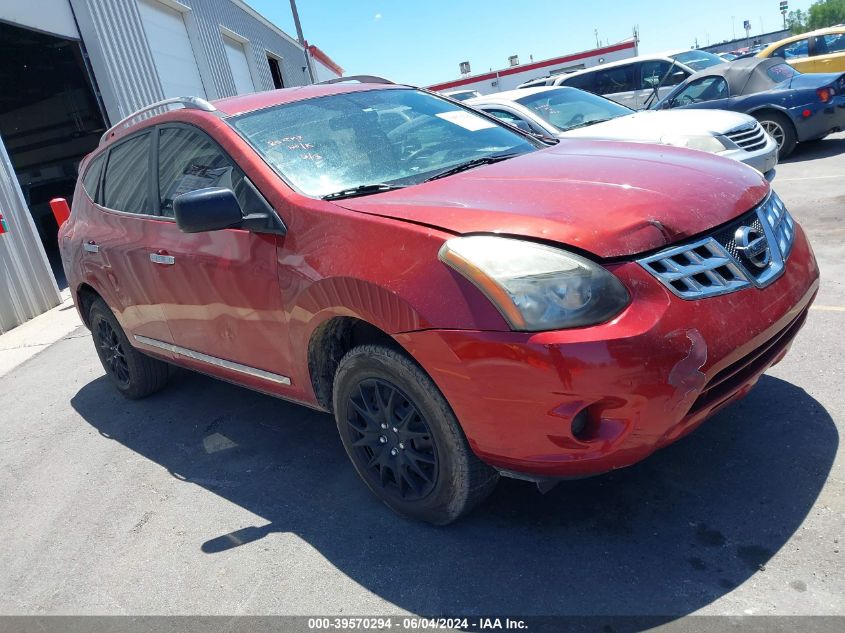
(301, 39)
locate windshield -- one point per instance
(569, 108)
(398, 137)
(698, 60)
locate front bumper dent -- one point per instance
(645, 379)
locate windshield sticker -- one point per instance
(466, 120)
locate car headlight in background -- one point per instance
(536, 287)
(700, 142)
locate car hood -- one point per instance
(651, 125)
(611, 199)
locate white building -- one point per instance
(511, 77)
(71, 68)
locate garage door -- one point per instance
(171, 48)
(240, 67)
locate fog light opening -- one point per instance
(579, 424)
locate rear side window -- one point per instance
(830, 43)
(126, 184)
(582, 82)
(91, 179)
(189, 160)
(617, 79)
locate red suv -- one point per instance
(467, 299)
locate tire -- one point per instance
(781, 129)
(409, 448)
(134, 374)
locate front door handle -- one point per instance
(161, 257)
(90, 247)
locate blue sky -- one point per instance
(422, 41)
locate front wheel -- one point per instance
(403, 438)
(134, 374)
(780, 128)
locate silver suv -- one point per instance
(632, 81)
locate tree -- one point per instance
(820, 14)
(826, 13)
(796, 21)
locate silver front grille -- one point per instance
(748, 137)
(723, 262)
(781, 223)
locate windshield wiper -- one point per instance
(586, 123)
(362, 190)
(470, 164)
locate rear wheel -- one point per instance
(134, 374)
(780, 128)
(403, 438)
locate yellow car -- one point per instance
(821, 51)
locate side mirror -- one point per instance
(210, 209)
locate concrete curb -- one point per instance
(25, 341)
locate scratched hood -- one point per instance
(609, 198)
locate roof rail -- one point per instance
(191, 103)
(364, 79)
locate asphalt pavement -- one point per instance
(211, 499)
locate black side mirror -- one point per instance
(208, 209)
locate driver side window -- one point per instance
(704, 89)
(189, 160)
(793, 50)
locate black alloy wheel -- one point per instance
(112, 354)
(393, 439)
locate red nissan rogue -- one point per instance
(468, 300)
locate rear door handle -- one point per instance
(162, 258)
(90, 247)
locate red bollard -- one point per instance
(61, 210)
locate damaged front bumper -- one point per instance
(578, 402)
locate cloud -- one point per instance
(377, 16)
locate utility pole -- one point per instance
(597, 38)
(733, 25)
(301, 39)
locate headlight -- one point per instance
(536, 287)
(698, 141)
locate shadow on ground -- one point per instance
(667, 536)
(812, 150)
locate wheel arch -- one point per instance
(330, 341)
(85, 298)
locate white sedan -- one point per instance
(568, 112)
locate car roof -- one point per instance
(744, 76)
(232, 106)
(622, 62)
(801, 36)
(512, 95)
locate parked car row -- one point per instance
(468, 299)
(566, 112)
(791, 106)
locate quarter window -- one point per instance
(189, 160)
(126, 184)
(91, 179)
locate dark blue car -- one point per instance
(791, 106)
